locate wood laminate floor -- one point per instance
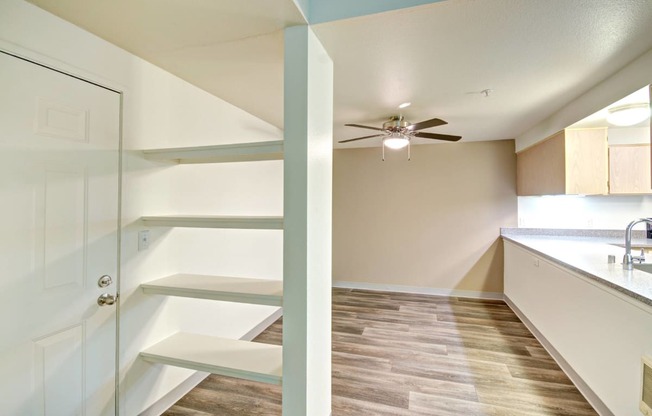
(397, 354)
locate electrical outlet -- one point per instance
(143, 240)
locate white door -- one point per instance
(59, 162)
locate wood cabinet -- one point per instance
(573, 161)
(629, 169)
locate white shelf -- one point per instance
(228, 357)
(212, 221)
(239, 152)
(230, 289)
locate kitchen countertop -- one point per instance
(587, 256)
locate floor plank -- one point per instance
(425, 404)
(399, 354)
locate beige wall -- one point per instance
(432, 222)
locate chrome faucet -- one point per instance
(628, 259)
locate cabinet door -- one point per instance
(586, 161)
(573, 161)
(629, 169)
(540, 169)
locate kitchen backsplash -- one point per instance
(582, 212)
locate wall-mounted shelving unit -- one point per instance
(228, 357)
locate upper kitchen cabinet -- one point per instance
(607, 152)
(629, 169)
(571, 162)
(628, 137)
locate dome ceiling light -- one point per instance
(396, 141)
(629, 114)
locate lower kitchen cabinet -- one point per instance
(599, 332)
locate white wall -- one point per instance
(161, 110)
(308, 158)
(629, 135)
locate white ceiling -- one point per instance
(230, 48)
(536, 56)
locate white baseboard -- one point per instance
(581, 385)
(167, 401)
(419, 290)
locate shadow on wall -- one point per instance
(486, 275)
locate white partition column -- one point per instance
(307, 225)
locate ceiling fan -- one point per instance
(397, 132)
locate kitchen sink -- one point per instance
(635, 246)
(644, 267)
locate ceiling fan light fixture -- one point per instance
(628, 115)
(396, 141)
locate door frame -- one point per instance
(36, 58)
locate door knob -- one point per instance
(106, 299)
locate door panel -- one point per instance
(58, 368)
(59, 162)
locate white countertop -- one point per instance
(588, 257)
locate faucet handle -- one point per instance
(641, 258)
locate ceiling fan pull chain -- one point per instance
(383, 146)
(409, 157)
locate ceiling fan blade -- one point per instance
(364, 127)
(446, 137)
(360, 138)
(433, 122)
